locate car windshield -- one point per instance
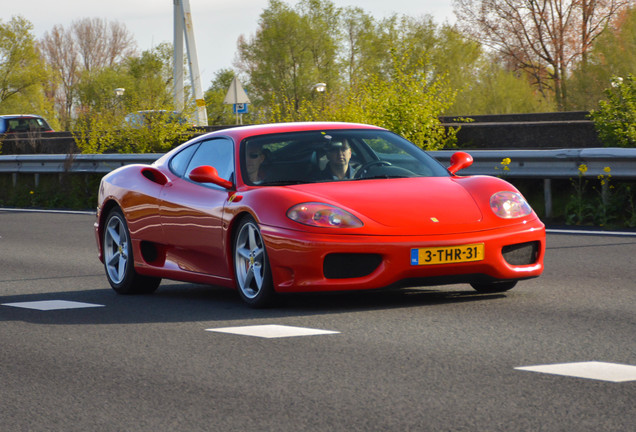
(333, 155)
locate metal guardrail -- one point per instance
(546, 164)
(531, 164)
(549, 164)
(79, 163)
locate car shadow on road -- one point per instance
(182, 302)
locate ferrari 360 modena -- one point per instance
(311, 207)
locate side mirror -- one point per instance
(459, 161)
(208, 174)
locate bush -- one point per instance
(104, 134)
(615, 120)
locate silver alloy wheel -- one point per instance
(250, 260)
(116, 249)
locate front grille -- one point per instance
(521, 253)
(350, 265)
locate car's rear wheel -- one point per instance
(251, 265)
(493, 287)
(118, 258)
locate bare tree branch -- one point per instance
(89, 45)
(545, 38)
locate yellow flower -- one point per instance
(607, 169)
(582, 169)
(31, 193)
(505, 161)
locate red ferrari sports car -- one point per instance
(306, 207)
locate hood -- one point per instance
(407, 206)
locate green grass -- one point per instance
(53, 191)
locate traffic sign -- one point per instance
(236, 94)
(240, 108)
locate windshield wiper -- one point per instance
(286, 182)
(382, 177)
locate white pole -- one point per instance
(193, 61)
(178, 56)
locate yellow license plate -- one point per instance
(447, 255)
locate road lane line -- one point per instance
(271, 331)
(601, 371)
(47, 305)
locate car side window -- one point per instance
(218, 153)
(180, 161)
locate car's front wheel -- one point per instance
(118, 258)
(493, 287)
(251, 265)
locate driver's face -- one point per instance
(254, 158)
(339, 156)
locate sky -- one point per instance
(217, 23)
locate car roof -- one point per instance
(9, 116)
(241, 132)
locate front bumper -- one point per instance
(297, 259)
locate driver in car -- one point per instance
(254, 158)
(338, 156)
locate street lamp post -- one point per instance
(321, 88)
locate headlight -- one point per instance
(509, 205)
(323, 215)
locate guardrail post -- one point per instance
(547, 196)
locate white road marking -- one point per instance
(47, 305)
(602, 371)
(590, 232)
(272, 331)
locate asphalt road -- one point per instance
(434, 359)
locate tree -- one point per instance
(101, 43)
(291, 50)
(22, 70)
(89, 44)
(369, 46)
(63, 59)
(492, 89)
(408, 103)
(146, 80)
(96, 96)
(544, 38)
(361, 45)
(612, 54)
(151, 78)
(377, 72)
(101, 124)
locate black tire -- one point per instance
(251, 266)
(119, 260)
(493, 287)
